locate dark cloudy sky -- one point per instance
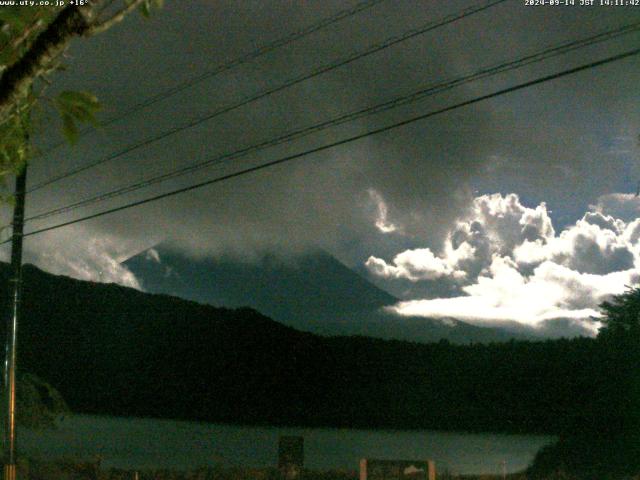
(517, 208)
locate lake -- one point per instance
(147, 443)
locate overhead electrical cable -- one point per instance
(389, 42)
(344, 141)
(433, 89)
(236, 62)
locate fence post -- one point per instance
(291, 457)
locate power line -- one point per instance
(270, 91)
(393, 103)
(342, 142)
(236, 62)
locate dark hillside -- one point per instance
(115, 350)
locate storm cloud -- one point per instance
(569, 143)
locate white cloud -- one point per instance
(624, 206)
(595, 244)
(495, 225)
(605, 222)
(504, 294)
(414, 265)
(508, 223)
(511, 265)
(382, 211)
(631, 233)
(76, 253)
(153, 255)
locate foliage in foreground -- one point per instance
(69, 470)
(79, 471)
(606, 445)
(33, 40)
(39, 404)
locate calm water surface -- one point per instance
(145, 443)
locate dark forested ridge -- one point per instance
(114, 350)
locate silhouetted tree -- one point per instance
(621, 317)
(620, 343)
(33, 39)
(605, 441)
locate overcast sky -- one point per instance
(520, 208)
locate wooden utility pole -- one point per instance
(15, 284)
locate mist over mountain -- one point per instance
(313, 292)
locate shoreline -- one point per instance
(128, 443)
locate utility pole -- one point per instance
(15, 284)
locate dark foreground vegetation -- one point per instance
(116, 351)
(69, 470)
(88, 471)
(606, 443)
(61, 470)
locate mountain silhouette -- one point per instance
(312, 292)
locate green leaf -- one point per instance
(14, 149)
(145, 8)
(149, 5)
(69, 129)
(76, 107)
(17, 17)
(82, 100)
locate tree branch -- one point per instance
(99, 27)
(16, 80)
(27, 33)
